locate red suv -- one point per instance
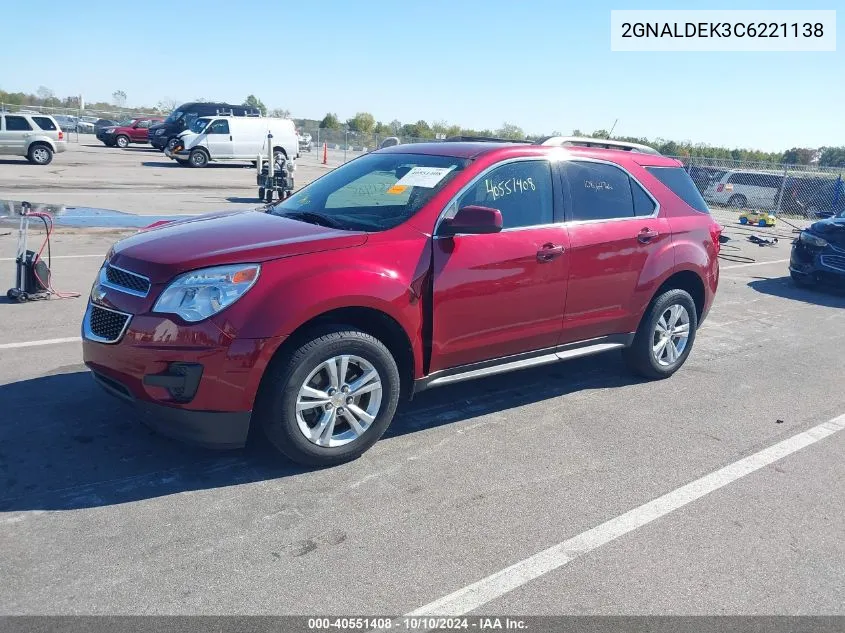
(407, 268)
(126, 132)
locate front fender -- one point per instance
(293, 291)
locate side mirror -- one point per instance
(472, 220)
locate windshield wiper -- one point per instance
(313, 217)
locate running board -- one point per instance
(523, 361)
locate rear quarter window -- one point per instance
(678, 180)
(44, 123)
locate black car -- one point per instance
(183, 117)
(818, 255)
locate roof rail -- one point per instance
(586, 141)
(482, 139)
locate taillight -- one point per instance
(61, 135)
(715, 234)
(720, 187)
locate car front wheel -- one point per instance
(122, 141)
(331, 398)
(665, 336)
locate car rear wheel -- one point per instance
(40, 154)
(122, 141)
(738, 202)
(331, 398)
(198, 158)
(170, 144)
(665, 336)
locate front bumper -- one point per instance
(159, 142)
(190, 382)
(177, 153)
(210, 429)
(105, 138)
(825, 266)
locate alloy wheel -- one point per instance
(671, 334)
(338, 401)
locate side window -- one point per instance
(773, 181)
(521, 191)
(643, 204)
(144, 124)
(220, 126)
(44, 123)
(17, 124)
(737, 179)
(599, 191)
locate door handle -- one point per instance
(549, 252)
(230, 137)
(646, 235)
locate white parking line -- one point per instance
(774, 261)
(46, 341)
(498, 584)
(100, 255)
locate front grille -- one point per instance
(106, 325)
(833, 261)
(136, 284)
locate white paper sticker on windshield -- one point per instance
(423, 177)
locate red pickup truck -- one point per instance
(410, 267)
(126, 132)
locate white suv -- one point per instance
(740, 189)
(35, 136)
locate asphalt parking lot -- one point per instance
(140, 179)
(470, 484)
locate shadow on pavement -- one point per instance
(785, 288)
(239, 199)
(64, 444)
(173, 163)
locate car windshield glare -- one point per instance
(375, 192)
(174, 116)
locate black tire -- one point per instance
(198, 158)
(261, 193)
(268, 196)
(40, 154)
(275, 408)
(801, 280)
(640, 356)
(122, 141)
(171, 143)
(737, 202)
(12, 294)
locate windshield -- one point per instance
(373, 193)
(126, 123)
(199, 125)
(174, 116)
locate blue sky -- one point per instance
(541, 64)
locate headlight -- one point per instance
(199, 294)
(109, 130)
(159, 132)
(812, 240)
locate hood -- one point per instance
(832, 229)
(224, 238)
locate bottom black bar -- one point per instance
(532, 624)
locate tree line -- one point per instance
(365, 123)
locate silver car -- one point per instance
(35, 136)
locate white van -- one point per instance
(233, 138)
(740, 189)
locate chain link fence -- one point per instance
(74, 121)
(749, 187)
